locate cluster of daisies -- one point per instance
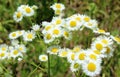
(27, 35)
(89, 60)
(15, 50)
(24, 10)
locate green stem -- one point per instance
(48, 65)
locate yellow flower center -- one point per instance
(72, 56)
(89, 24)
(76, 65)
(78, 18)
(117, 39)
(48, 36)
(101, 31)
(57, 12)
(58, 22)
(3, 48)
(13, 34)
(66, 33)
(15, 52)
(107, 50)
(104, 41)
(47, 28)
(76, 49)
(28, 10)
(86, 19)
(92, 56)
(82, 56)
(56, 31)
(97, 52)
(2, 54)
(73, 23)
(29, 36)
(64, 54)
(19, 14)
(99, 46)
(44, 58)
(54, 50)
(20, 48)
(91, 67)
(58, 6)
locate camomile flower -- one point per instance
(36, 27)
(34, 7)
(20, 32)
(58, 12)
(101, 31)
(67, 34)
(91, 68)
(71, 57)
(43, 58)
(29, 35)
(74, 66)
(76, 49)
(109, 51)
(86, 18)
(63, 52)
(53, 50)
(21, 8)
(48, 37)
(21, 48)
(3, 48)
(58, 21)
(91, 56)
(98, 45)
(13, 35)
(14, 42)
(57, 6)
(18, 16)
(3, 55)
(105, 40)
(28, 11)
(15, 53)
(92, 24)
(47, 28)
(116, 39)
(72, 25)
(98, 53)
(56, 32)
(80, 56)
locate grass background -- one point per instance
(106, 12)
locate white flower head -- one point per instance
(43, 58)
(18, 16)
(48, 37)
(29, 35)
(13, 35)
(36, 27)
(3, 48)
(53, 50)
(28, 11)
(57, 6)
(75, 66)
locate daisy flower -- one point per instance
(109, 51)
(92, 24)
(72, 25)
(63, 52)
(74, 66)
(36, 27)
(71, 57)
(116, 39)
(29, 35)
(14, 42)
(76, 49)
(21, 48)
(57, 6)
(53, 50)
(15, 53)
(28, 11)
(58, 21)
(3, 55)
(18, 16)
(43, 58)
(67, 34)
(20, 32)
(101, 31)
(48, 37)
(80, 56)
(3, 47)
(13, 35)
(86, 18)
(56, 32)
(91, 68)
